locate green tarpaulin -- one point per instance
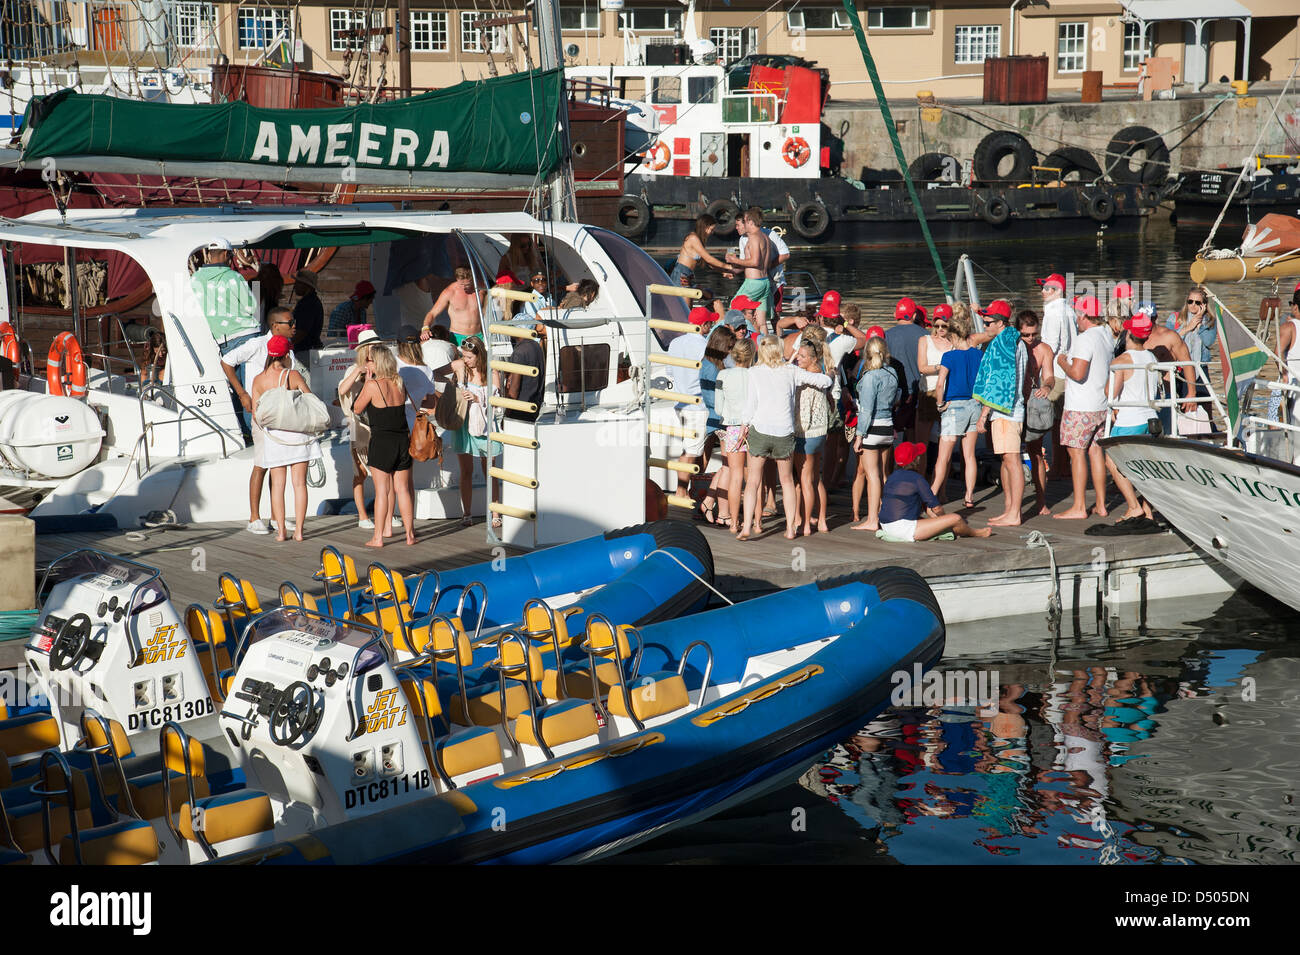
(500, 127)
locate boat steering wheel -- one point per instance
(70, 643)
(294, 715)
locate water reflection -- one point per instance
(1139, 744)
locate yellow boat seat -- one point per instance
(125, 842)
(577, 679)
(207, 631)
(147, 790)
(462, 752)
(25, 820)
(485, 708)
(244, 812)
(331, 569)
(291, 598)
(537, 624)
(565, 722)
(652, 695)
(28, 733)
(243, 594)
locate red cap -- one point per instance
(906, 309)
(506, 278)
(702, 316)
(278, 346)
(1000, 308)
(1123, 290)
(744, 303)
(1088, 305)
(1055, 278)
(943, 311)
(363, 289)
(875, 331)
(907, 452)
(1139, 325)
(830, 307)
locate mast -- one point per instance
(559, 187)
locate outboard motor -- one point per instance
(109, 639)
(319, 721)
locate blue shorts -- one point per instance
(959, 418)
(804, 445)
(1118, 430)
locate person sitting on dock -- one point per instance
(1086, 367)
(1000, 388)
(906, 497)
(693, 250)
(228, 304)
(756, 260)
(352, 310)
(463, 305)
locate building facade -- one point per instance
(938, 46)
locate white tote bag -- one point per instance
(287, 409)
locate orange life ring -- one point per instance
(796, 151)
(657, 158)
(65, 369)
(9, 342)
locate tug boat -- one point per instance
(336, 740)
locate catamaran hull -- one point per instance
(1242, 509)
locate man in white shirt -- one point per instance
(1058, 330)
(250, 358)
(686, 381)
(1087, 368)
(541, 285)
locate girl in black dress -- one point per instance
(384, 400)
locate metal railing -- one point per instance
(157, 388)
(1158, 374)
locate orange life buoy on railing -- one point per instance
(65, 369)
(657, 158)
(796, 151)
(9, 342)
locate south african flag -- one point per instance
(1242, 355)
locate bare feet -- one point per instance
(1073, 514)
(807, 530)
(410, 540)
(867, 526)
(790, 534)
(822, 528)
(1132, 513)
(1100, 511)
(1005, 520)
(1044, 511)
(281, 538)
(298, 537)
(983, 531)
(743, 536)
(375, 542)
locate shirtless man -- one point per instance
(463, 305)
(756, 262)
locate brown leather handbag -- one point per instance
(425, 443)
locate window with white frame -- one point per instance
(651, 19)
(193, 25)
(347, 30)
(1134, 46)
(816, 18)
(975, 44)
(472, 39)
(429, 31)
(732, 43)
(580, 19)
(258, 26)
(1071, 47)
(898, 18)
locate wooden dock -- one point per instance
(192, 558)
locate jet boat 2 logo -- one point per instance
(76, 908)
(162, 646)
(978, 688)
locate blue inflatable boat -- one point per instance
(727, 703)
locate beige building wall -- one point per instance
(909, 60)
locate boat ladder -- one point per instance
(650, 394)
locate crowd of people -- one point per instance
(266, 345)
(793, 402)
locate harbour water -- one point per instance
(1160, 737)
(1155, 262)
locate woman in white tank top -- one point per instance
(1131, 387)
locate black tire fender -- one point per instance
(995, 147)
(632, 220)
(811, 220)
